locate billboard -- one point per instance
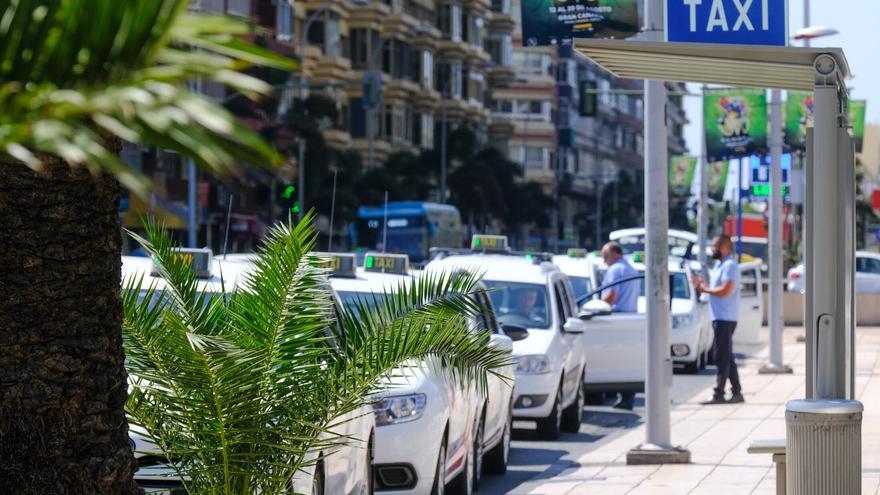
(798, 116)
(857, 121)
(556, 22)
(717, 178)
(735, 122)
(681, 173)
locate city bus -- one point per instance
(414, 227)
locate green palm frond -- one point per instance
(71, 83)
(237, 389)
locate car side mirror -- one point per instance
(704, 298)
(574, 325)
(596, 307)
(515, 332)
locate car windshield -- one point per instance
(349, 298)
(520, 304)
(681, 289)
(581, 286)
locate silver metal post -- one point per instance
(385, 226)
(192, 204)
(775, 242)
(657, 448)
(332, 211)
(702, 208)
(443, 133)
(598, 190)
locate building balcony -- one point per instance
(330, 70)
(369, 16)
(426, 100)
(501, 23)
(337, 138)
(382, 148)
(398, 90)
(452, 50)
(501, 76)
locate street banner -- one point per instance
(729, 22)
(735, 123)
(798, 116)
(717, 177)
(556, 22)
(681, 173)
(857, 121)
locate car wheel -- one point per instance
(573, 414)
(368, 479)
(549, 427)
(463, 484)
(318, 480)
(479, 437)
(495, 460)
(439, 487)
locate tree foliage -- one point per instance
(237, 389)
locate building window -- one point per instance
(239, 7)
(359, 43)
(476, 34)
(500, 48)
(449, 21)
(424, 131)
(605, 96)
(427, 75)
(325, 32)
(453, 88)
(501, 6)
(283, 21)
(534, 157)
(531, 62)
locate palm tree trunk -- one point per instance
(62, 374)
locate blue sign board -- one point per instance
(761, 169)
(732, 22)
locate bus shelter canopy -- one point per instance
(748, 66)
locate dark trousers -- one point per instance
(724, 357)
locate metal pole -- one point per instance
(385, 225)
(191, 204)
(702, 207)
(443, 133)
(657, 448)
(598, 188)
(332, 211)
(739, 211)
(775, 242)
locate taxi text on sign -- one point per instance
(734, 22)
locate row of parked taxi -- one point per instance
(427, 434)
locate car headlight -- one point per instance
(679, 321)
(533, 364)
(400, 409)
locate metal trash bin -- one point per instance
(823, 447)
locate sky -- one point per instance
(858, 22)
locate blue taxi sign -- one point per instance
(386, 263)
(198, 259)
(489, 243)
(731, 22)
(339, 264)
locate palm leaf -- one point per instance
(70, 83)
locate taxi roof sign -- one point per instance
(489, 243)
(386, 263)
(339, 264)
(198, 259)
(577, 253)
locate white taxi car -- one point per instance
(616, 343)
(533, 293)
(432, 434)
(345, 467)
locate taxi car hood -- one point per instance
(407, 379)
(538, 342)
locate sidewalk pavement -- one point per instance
(717, 436)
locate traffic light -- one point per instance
(588, 98)
(286, 198)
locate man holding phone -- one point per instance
(723, 290)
